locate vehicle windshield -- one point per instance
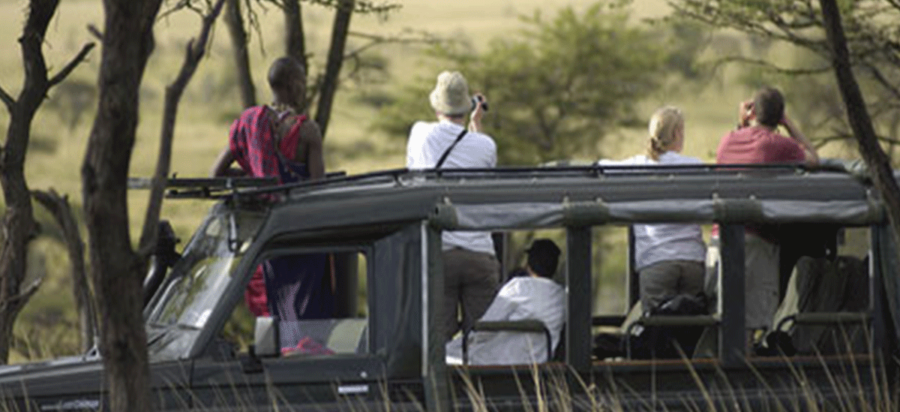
(199, 278)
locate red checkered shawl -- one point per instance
(252, 142)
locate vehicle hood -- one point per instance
(61, 376)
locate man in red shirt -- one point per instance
(757, 140)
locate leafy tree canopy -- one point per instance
(555, 89)
(873, 41)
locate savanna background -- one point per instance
(380, 95)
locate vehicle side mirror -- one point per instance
(265, 337)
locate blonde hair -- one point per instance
(663, 125)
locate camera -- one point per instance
(476, 100)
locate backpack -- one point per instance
(657, 342)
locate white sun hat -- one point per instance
(451, 94)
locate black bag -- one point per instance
(659, 342)
(662, 342)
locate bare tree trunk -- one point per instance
(339, 33)
(860, 122)
(195, 50)
(116, 270)
(18, 227)
(59, 208)
(238, 35)
(18, 224)
(293, 31)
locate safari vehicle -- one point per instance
(380, 351)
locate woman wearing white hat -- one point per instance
(471, 270)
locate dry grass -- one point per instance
(850, 388)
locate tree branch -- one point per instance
(94, 31)
(59, 77)
(339, 31)
(822, 141)
(295, 42)
(361, 7)
(376, 40)
(750, 23)
(766, 64)
(58, 206)
(235, 24)
(883, 80)
(181, 5)
(7, 99)
(858, 116)
(193, 54)
(355, 56)
(25, 295)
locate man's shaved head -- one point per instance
(287, 78)
(284, 72)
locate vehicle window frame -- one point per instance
(280, 248)
(180, 345)
(576, 305)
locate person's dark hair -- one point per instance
(543, 257)
(284, 72)
(768, 106)
(517, 273)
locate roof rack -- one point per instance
(211, 188)
(221, 187)
(518, 172)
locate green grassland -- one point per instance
(212, 101)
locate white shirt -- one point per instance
(521, 298)
(661, 242)
(427, 143)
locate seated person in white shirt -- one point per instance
(669, 258)
(471, 271)
(532, 297)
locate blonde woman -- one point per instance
(669, 258)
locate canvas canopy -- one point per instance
(542, 215)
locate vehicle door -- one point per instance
(186, 300)
(325, 362)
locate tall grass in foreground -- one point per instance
(854, 381)
(568, 392)
(558, 390)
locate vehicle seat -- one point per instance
(323, 336)
(831, 287)
(676, 324)
(511, 326)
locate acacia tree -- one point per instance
(873, 46)
(873, 154)
(18, 226)
(117, 269)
